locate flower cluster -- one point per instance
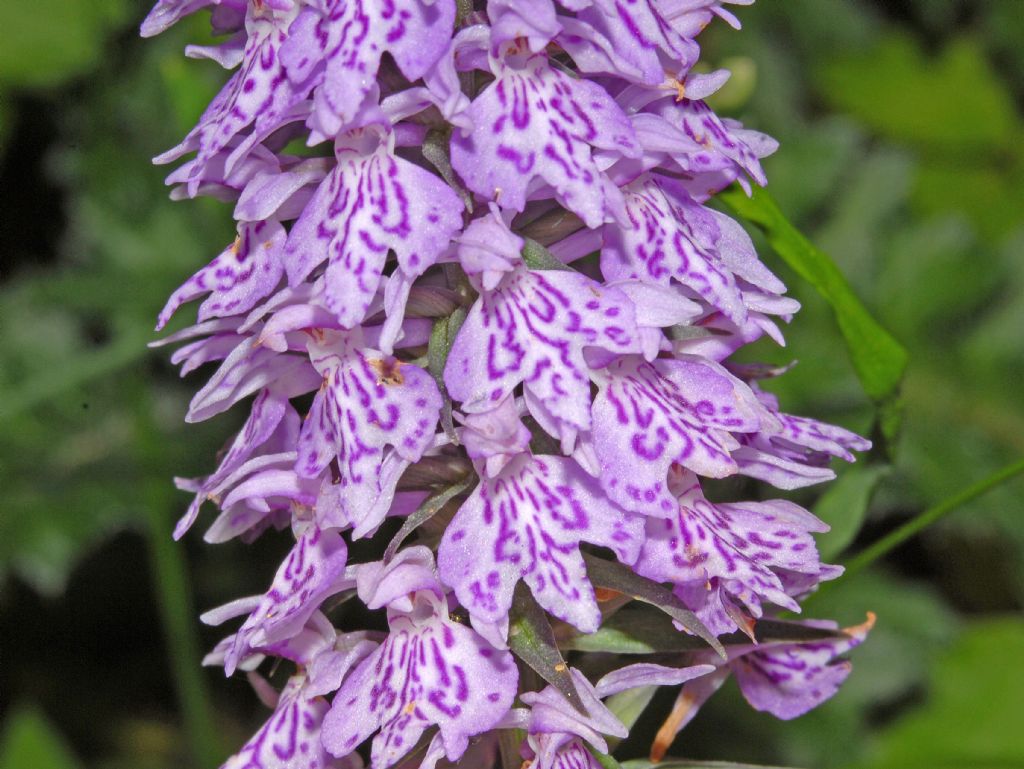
(473, 248)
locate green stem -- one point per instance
(172, 591)
(916, 525)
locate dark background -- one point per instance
(902, 157)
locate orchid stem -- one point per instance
(916, 525)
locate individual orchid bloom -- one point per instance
(244, 273)
(312, 571)
(534, 329)
(291, 736)
(429, 671)
(786, 679)
(271, 429)
(724, 151)
(494, 438)
(640, 33)
(338, 45)
(689, 17)
(373, 202)
(797, 455)
(247, 369)
(535, 126)
(487, 249)
(725, 559)
(527, 523)
(673, 238)
(368, 402)
(258, 95)
(648, 416)
(557, 729)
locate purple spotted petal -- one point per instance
(168, 12)
(533, 330)
(372, 203)
(367, 403)
(638, 32)
(798, 454)
(789, 680)
(290, 739)
(312, 571)
(673, 238)
(536, 124)
(528, 524)
(259, 94)
(731, 552)
(270, 417)
(648, 416)
(342, 47)
(245, 272)
(533, 20)
(723, 151)
(429, 671)
(247, 369)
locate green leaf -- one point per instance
(972, 713)
(613, 575)
(430, 507)
(531, 639)
(643, 630)
(629, 705)
(844, 506)
(537, 257)
(442, 337)
(30, 741)
(878, 358)
(605, 761)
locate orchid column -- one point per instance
(476, 301)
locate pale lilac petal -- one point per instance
(367, 403)
(648, 416)
(429, 671)
(528, 524)
(536, 124)
(371, 203)
(647, 674)
(245, 272)
(533, 330)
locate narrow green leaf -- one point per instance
(844, 505)
(930, 516)
(442, 337)
(645, 631)
(509, 743)
(878, 358)
(531, 639)
(606, 761)
(614, 576)
(430, 507)
(537, 257)
(436, 150)
(629, 705)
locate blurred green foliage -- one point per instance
(902, 158)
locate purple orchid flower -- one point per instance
(492, 316)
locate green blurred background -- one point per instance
(902, 157)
